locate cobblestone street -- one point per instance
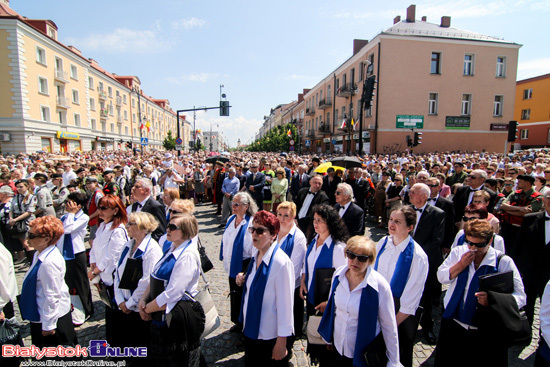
(220, 348)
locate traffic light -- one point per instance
(369, 90)
(409, 141)
(224, 108)
(512, 131)
(417, 139)
(129, 144)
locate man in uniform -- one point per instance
(44, 203)
(111, 187)
(459, 176)
(59, 194)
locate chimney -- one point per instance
(358, 45)
(445, 22)
(411, 13)
(397, 19)
(5, 2)
(75, 50)
(424, 18)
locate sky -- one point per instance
(263, 53)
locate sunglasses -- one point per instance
(478, 245)
(103, 208)
(259, 230)
(30, 235)
(433, 185)
(172, 227)
(467, 219)
(360, 258)
(174, 211)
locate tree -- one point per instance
(169, 142)
(275, 140)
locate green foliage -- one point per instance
(169, 142)
(275, 140)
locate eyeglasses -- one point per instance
(259, 230)
(237, 204)
(478, 245)
(130, 224)
(433, 185)
(31, 235)
(174, 211)
(172, 227)
(103, 208)
(339, 193)
(467, 219)
(319, 220)
(360, 258)
(508, 184)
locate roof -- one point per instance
(426, 29)
(5, 10)
(533, 79)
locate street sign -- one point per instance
(409, 121)
(308, 143)
(144, 141)
(457, 122)
(179, 141)
(292, 142)
(179, 146)
(291, 148)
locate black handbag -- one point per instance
(375, 353)
(206, 264)
(133, 271)
(323, 281)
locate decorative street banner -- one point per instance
(409, 121)
(457, 122)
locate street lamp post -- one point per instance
(136, 91)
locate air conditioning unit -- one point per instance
(371, 127)
(5, 137)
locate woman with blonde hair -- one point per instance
(169, 195)
(178, 207)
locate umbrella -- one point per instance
(217, 158)
(322, 168)
(284, 154)
(179, 169)
(347, 162)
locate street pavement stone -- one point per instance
(220, 348)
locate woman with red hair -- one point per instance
(45, 299)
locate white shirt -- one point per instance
(68, 176)
(106, 250)
(544, 314)
(298, 252)
(8, 283)
(418, 216)
(306, 205)
(278, 302)
(410, 298)
(471, 195)
(547, 228)
(498, 241)
(184, 277)
(151, 255)
(338, 257)
(506, 264)
(75, 225)
(228, 238)
(52, 293)
(169, 181)
(347, 314)
(343, 209)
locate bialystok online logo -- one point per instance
(97, 348)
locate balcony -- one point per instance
(325, 103)
(296, 121)
(62, 102)
(104, 113)
(324, 128)
(310, 111)
(347, 125)
(61, 76)
(119, 101)
(102, 95)
(119, 119)
(346, 90)
(310, 133)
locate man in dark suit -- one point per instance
(351, 213)
(429, 233)
(330, 181)
(144, 202)
(306, 199)
(533, 254)
(255, 183)
(360, 187)
(299, 181)
(447, 206)
(464, 194)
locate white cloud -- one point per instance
(185, 24)
(194, 77)
(532, 68)
(233, 128)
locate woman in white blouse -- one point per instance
(403, 263)
(138, 257)
(542, 358)
(461, 270)
(360, 307)
(45, 299)
(268, 292)
(110, 238)
(236, 250)
(472, 212)
(174, 278)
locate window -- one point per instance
(45, 113)
(135, 132)
(361, 70)
(337, 85)
(368, 112)
(100, 86)
(133, 117)
(111, 109)
(42, 85)
(433, 104)
(40, 56)
(435, 67)
(501, 67)
(90, 82)
(352, 76)
(468, 64)
(76, 119)
(497, 108)
(124, 99)
(370, 66)
(527, 93)
(74, 72)
(524, 134)
(92, 104)
(126, 130)
(110, 92)
(75, 96)
(125, 115)
(103, 126)
(466, 104)
(62, 117)
(526, 114)
(94, 124)
(112, 127)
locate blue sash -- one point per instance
(323, 261)
(256, 297)
(165, 269)
(166, 246)
(27, 302)
(236, 266)
(137, 255)
(366, 324)
(465, 311)
(68, 250)
(402, 268)
(288, 245)
(168, 217)
(461, 239)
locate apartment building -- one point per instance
(455, 86)
(532, 112)
(55, 99)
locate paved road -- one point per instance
(219, 348)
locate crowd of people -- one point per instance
(293, 246)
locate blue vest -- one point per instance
(236, 266)
(402, 268)
(323, 261)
